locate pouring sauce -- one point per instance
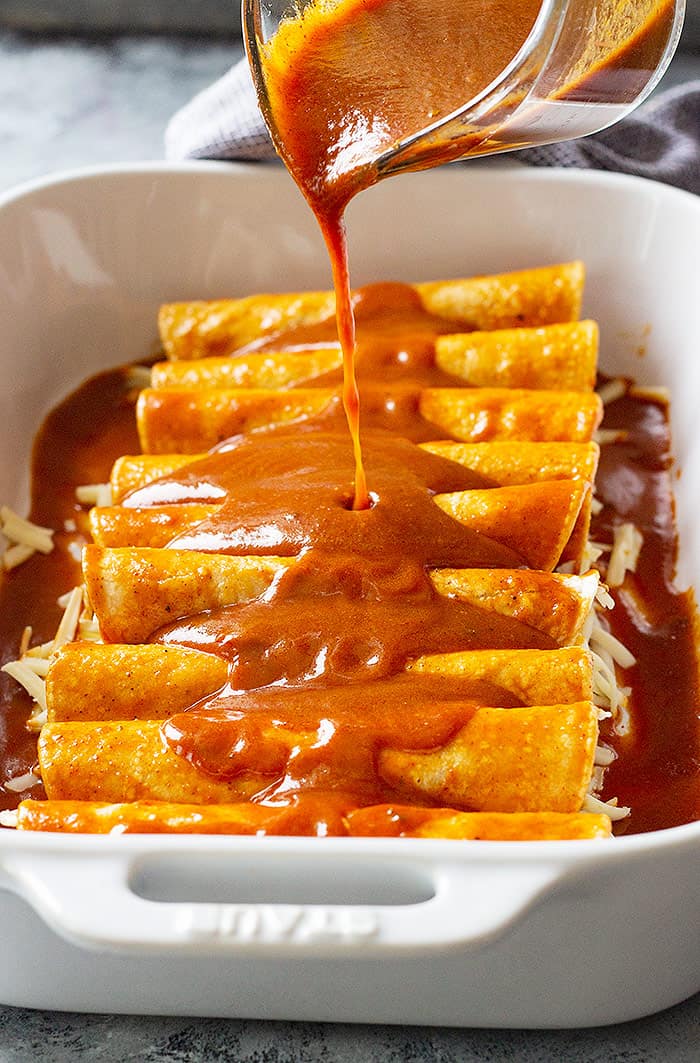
(346, 81)
(341, 90)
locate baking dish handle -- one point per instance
(92, 903)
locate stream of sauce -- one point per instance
(341, 90)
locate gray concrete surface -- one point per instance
(46, 1037)
(206, 17)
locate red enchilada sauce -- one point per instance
(78, 443)
(324, 651)
(657, 772)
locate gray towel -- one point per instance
(660, 141)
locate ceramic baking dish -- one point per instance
(402, 931)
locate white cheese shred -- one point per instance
(592, 552)
(8, 817)
(627, 544)
(612, 390)
(39, 665)
(94, 494)
(34, 662)
(16, 555)
(37, 719)
(607, 808)
(89, 629)
(69, 621)
(24, 533)
(609, 697)
(25, 641)
(45, 649)
(32, 683)
(138, 377)
(609, 435)
(604, 757)
(24, 538)
(662, 395)
(603, 597)
(22, 782)
(605, 640)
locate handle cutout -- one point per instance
(285, 880)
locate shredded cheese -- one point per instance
(604, 756)
(34, 662)
(39, 665)
(607, 641)
(24, 538)
(606, 652)
(613, 389)
(8, 817)
(45, 649)
(24, 533)
(89, 630)
(25, 640)
(22, 782)
(32, 683)
(627, 544)
(607, 694)
(608, 808)
(609, 697)
(138, 377)
(604, 599)
(37, 719)
(596, 506)
(69, 621)
(609, 435)
(657, 394)
(16, 555)
(592, 552)
(94, 494)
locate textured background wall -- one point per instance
(206, 17)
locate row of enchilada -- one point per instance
(265, 660)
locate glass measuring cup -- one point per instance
(355, 90)
(584, 65)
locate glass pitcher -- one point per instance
(584, 65)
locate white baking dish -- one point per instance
(484, 934)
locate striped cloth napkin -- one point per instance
(660, 141)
